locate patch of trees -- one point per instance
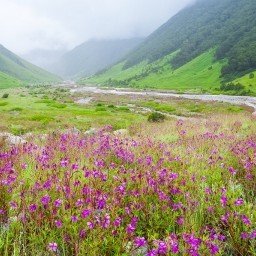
(251, 76)
(235, 88)
(156, 117)
(5, 95)
(232, 87)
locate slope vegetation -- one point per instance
(8, 81)
(212, 42)
(16, 67)
(229, 25)
(202, 73)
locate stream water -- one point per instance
(238, 100)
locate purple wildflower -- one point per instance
(253, 234)
(140, 241)
(245, 220)
(53, 247)
(58, 203)
(58, 223)
(213, 248)
(162, 248)
(232, 170)
(74, 218)
(223, 201)
(152, 253)
(174, 244)
(239, 202)
(85, 213)
(32, 207)
(45, 200)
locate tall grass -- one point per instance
(112, 195)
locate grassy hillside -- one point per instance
(15, 66)
(248, 80)
(202, 73)
(202, 48)
(8, 81)
(93, 56)
(228, 25)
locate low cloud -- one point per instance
(56, 24)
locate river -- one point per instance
(237, 100)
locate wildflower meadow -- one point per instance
(108, 194)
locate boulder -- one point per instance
(12, 139)
(73, 130)
(121, 132)
(91, 131)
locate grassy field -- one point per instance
(44, 109)
(8, 82)
(178, 187)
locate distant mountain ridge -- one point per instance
(93, 56)
(15, 67)
(44, 58)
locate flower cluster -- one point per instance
(107, 195)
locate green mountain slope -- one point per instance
(202, 73)
(248, 80)
(227, 26)
(93, 56)
(16, 67)
(8, 81)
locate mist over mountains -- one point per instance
(44, 58)
(93, 56)
(205, 45)
(17, 69)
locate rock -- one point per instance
(254, 115)
(84, 101)
(142, 251)
(91, 131)
(121, 132)
(12, 139)
(42, 137)
(27, 136)
(73, 130)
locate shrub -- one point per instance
(18, 109)
(100, 108)
(232, 87)
(57, 105)
(156, 117)
(123, 108)
(251, 76)
(41, 118)
(5, 96)
(3, 103)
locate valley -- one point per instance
(120, 136)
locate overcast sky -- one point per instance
(52, 24)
